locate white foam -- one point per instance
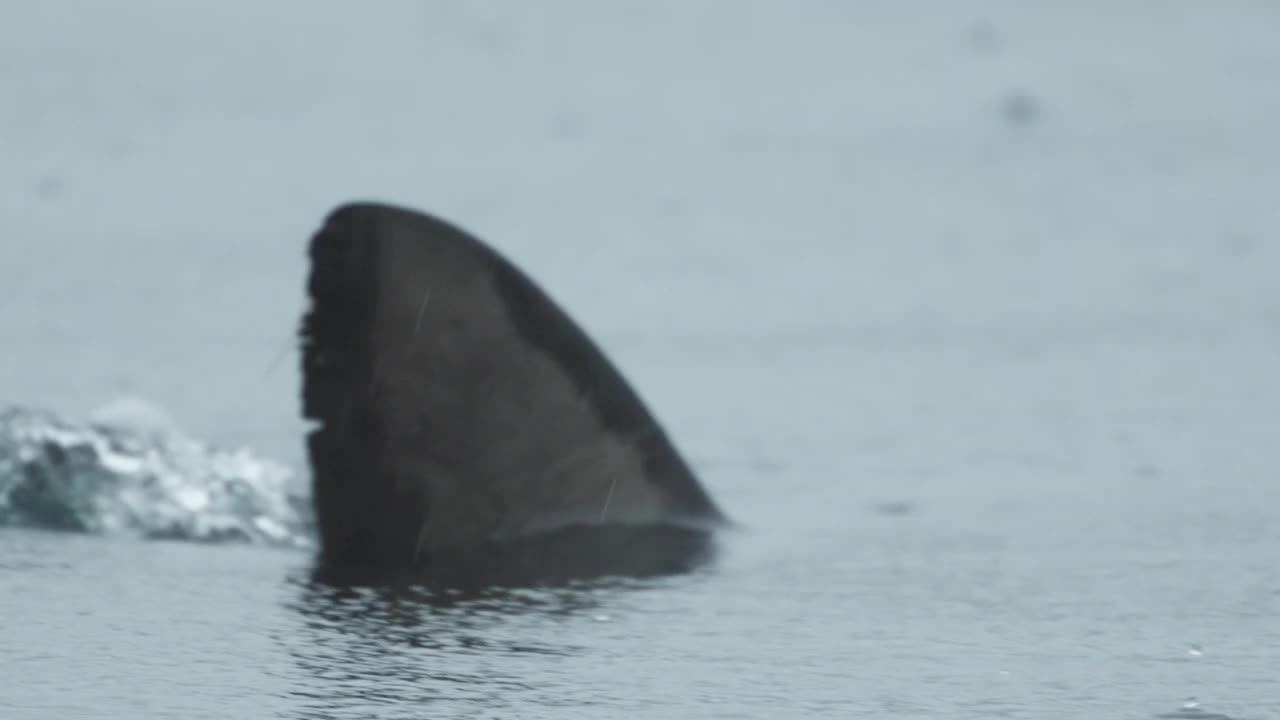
(132, 471)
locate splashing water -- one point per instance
(117, 478)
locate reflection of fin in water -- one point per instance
(460, 410)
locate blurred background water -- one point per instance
(966, 311)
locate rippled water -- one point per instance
(967, 314)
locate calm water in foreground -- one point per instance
(967, 313)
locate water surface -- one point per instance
(966, 313)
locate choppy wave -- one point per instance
(120, 478)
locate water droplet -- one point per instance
(1020, 108)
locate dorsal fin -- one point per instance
(460, 408)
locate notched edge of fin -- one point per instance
(360, 518)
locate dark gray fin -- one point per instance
(461, 411)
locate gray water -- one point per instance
(967, 313)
